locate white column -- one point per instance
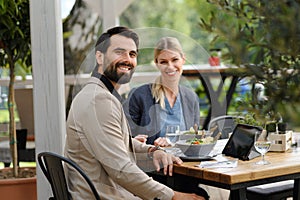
(48, 82)
(110, 17)
(109, 10)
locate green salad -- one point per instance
(205, 140)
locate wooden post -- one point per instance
(48, 82)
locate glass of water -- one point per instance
(172, 133)
(262, 144)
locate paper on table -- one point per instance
(220, 162)
(219, 147)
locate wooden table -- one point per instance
(284, 166)
(219, 97)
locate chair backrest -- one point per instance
(21, 138)
(25, 154)
(225, 124)
(52, 167)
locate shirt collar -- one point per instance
(108, 85)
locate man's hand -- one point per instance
(186, 196)
(162, 142)
(166, 160)
(141, 138)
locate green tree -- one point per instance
(175, 15)
(263, 37)
(14, 53)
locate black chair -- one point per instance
(277, 191)
(224, 124)
(52, 167)
(24, 154)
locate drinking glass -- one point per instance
(262, 144)
(172, 133)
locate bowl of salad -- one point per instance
(196, 147)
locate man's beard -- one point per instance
(111, 72)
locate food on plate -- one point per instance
(192, 131)
(205, 140)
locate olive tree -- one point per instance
(14, 53)
(262, 37)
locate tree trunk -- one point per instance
(12, 123)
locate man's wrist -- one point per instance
(153, 149)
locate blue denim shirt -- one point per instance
(171, 116)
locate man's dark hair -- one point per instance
(103, 41)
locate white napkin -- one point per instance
(221, 162)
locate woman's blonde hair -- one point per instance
(165, 43)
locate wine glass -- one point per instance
(262, 144)
(172, 134)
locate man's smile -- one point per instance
(123, 67)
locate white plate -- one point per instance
(177, 152)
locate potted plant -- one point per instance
(214, 58)
(15, 54)
(248, 118)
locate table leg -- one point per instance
(296, 192)
(218, 106)
(239, 194)
(215, 107)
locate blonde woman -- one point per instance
(151, 107)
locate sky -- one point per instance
(66, 6)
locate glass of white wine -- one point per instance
(262, 144)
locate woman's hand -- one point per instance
(186, 196)
(162, 142)
(141, 138)
(166, 160)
